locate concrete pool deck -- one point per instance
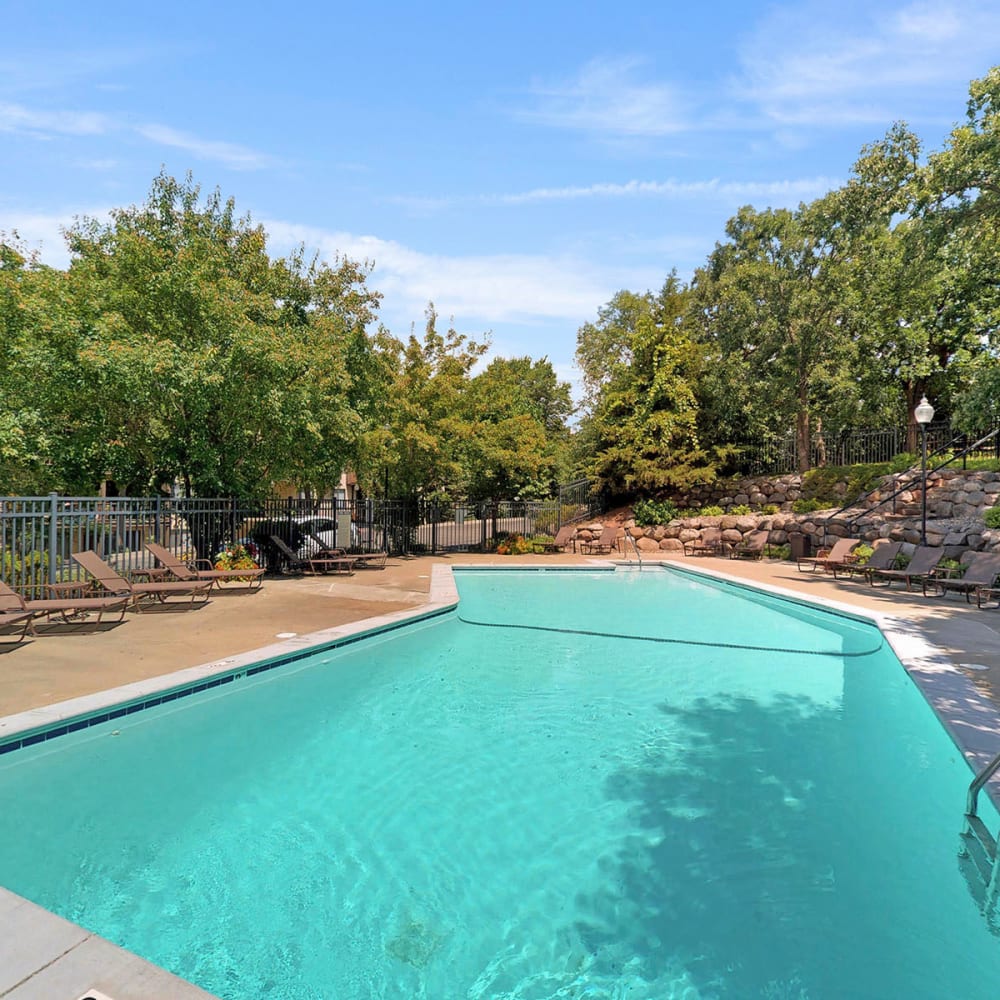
(42, 956)
(70, 661)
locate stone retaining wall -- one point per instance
(956, 535)
(956, 501)
(950, 493)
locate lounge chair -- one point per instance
(362, 560)
(882, 557)
(836, 557)
(254, 578)
(607, 541)
(368, 560)
(565, 537)
(71, 607)
(318, 563)
(708, 544)
(981, 572)
(922, 565)
(21, 619)
(114, 583)
(752, 547)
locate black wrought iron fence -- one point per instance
(778, 454)
(39, 534)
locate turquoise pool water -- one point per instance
(483, 811)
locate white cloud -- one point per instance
(236, 157)
(479, 289)
(820, 64)
(17, 118)
(605, 97)
(42, 124)
(714, 188)
(786, 192)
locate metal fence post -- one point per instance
(53, 534)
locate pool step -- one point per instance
(978, 864)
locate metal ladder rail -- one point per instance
(974, 826)
(638, 554)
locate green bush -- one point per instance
(820, 484)
(992, 517)
(806, 505)
(901, 561)
(953, 567)
(770, 508)
(862, 553)
(712, 510)
(781, 551)
(650, 512)
(740, 509)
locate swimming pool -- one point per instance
(503, 810)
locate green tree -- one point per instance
(959, 210)
(206, 360)
(46, 432)
(771, 304)
(640, 372)
(518, 411)
(425, 427)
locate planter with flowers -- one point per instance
(236, 556)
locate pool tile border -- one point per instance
(38, 725)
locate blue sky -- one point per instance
(516, 163)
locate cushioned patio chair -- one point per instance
(114, 583)
(709, 543)
(254, 578)
(882, 557)
(979, 578)
(752, 547)
(922, 565)
(836, 557)
(313, 563)
(607, 542)
(72, 607)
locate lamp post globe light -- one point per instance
(923, 414)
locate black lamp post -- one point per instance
(923, 414)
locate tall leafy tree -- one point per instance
(771, 303)
(518, 411)
(47, 432)
(421, 440)
(959, 208)
(207, 361)
(641, 370)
